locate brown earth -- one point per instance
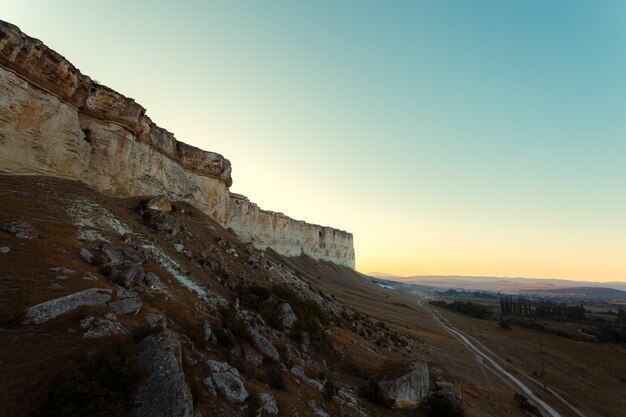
(31, 357)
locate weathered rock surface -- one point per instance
(285, 315)
(287, 236)
(126, 303)
(408, 390)
(263, 344)
(317, 411)
(227, 381)
(269, 403)
(56, 121)
(164, 392)
(156, 320)
(20, 229)
(206, 331)
(102, 326)
(49, 310)
(159, 203)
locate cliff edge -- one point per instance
(56, 121)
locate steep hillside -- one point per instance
(83, 274)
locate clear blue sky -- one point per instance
(451, 137)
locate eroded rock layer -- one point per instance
(56, 121)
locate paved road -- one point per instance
(486, 355)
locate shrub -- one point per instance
(102, 385)
(505, 325)
(273, 375)
(525, 405)
(442, 407)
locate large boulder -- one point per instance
(268, 403)
(285, 315)
(164, 392)
(49, 310)
(263, 344)
(227, 381)
(408, 390)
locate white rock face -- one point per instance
(287, 236)
(408, 390)
(56, 121)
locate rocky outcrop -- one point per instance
(56, 121)
(164, 392)
(41, 313)
(408, 390)
(227, 381)
(287, 236)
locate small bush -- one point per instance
(273, 375)
(442, 407)
(505, 325)
(102, 385)
(526, 405)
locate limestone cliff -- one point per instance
(56, 121)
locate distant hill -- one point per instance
(502, 284)
(591, 292)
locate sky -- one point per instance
(450, 137)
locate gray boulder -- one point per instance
(268, 403)
(21, 230)
(156, 320)
(227, 381)
(408, 390)
(5, 249)
(317, 411)
(152, 280)
(263, 344)
(100, 327)
(49, 310)
(164, 392)
(86, 255)
(285, 315)
(125, 273)
(129, 305)
(230, 386)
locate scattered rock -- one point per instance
(227, 381)
(263, 344)
(156, 320)
(152, 280)
(60, 277)
(86, 255)
(21, 230)
(408, 390)
(230, 386)
(49, 310)
(5, 249)
(126, 305)
(299, 373)
(317, 410)
(110, 255)
(285, 315)
(56, 286)
(252, 358)
(63, 270)
(164, 392)
(206, 331)
(125, 273)
(269, 403)
(179, 247)
(107, 326)
(447, 390)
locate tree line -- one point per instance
(521, 306)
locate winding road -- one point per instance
(487, 355)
